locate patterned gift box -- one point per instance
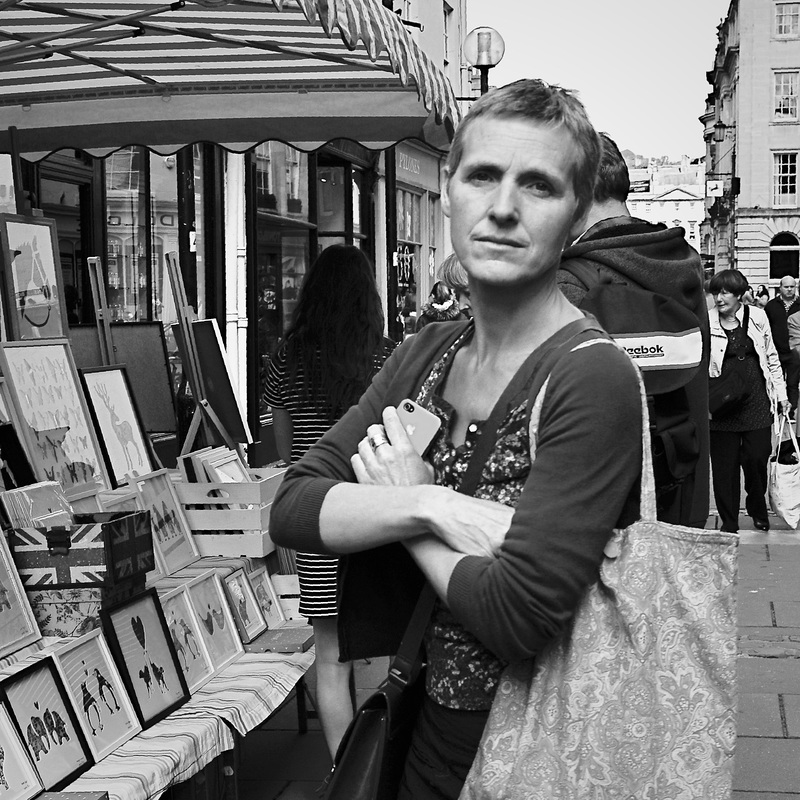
(100, 550)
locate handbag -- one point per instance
(637, 698)
(727, 392)
(369, 761)
(784, 475)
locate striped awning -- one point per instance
(97, 75)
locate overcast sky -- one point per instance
(639, 66)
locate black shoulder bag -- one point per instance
(727, 393)
(369, 761)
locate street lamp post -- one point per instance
(484, 48)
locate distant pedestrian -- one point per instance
(778, 310)
(762, 296)
(442, 306)
(455, 276)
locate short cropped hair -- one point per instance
(728, 280)
(533, 99)
(454, 275)
(613, 181)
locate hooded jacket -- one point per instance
(659, 259)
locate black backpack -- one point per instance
(664, 339)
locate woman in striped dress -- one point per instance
(333, 347)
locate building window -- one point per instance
(786, 95)
(784, 256)
(785, 179)
(787, 19)
(407, 257)
(123, 168)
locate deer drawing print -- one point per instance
(122, 429)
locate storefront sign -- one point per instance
(417, 168)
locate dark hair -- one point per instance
(454, 275)
(613, 181)
(762, 289)
(537, 101)
(728, 280)
(441, 293)
(336, 329)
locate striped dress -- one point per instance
(317, 573)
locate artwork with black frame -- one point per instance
(140, 642)
(15, 468)
(44, 716)
(33, 290)
(18, 626)
(20, 779)
(125, 446)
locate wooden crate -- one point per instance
(231, 519)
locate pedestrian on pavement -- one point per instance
(454, 275)
(778, 311)
(626, 250)
(333, 348)
(442, 306)
(741, 440)
(762, 296)
(511, 563)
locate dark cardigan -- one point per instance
(586, 470)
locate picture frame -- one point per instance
(173, 543)
(140, 642)
(57, 431)
(125, 447)
(27, 504)
(45, 719)
(227, 467)
(245, 608)
(104, 710)
(186, 637)
(15, 468)
(20, 779)
(217, 625)
(33, 292)
(267, 597)
(18, 626)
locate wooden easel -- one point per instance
(203, 412)
(107, 351)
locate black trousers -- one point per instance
(750, 452)
(791, 372)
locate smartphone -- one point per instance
(420, 425)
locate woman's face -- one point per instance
(727, 303)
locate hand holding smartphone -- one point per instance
(420, 425)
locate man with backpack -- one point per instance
(644, 283)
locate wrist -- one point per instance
(423, 506)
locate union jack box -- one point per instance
(100, 550)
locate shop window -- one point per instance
(784, 256)
(786, 96)
(265, 194)
(123, 169)
(785, 179)
(787, 19)
(407, 258)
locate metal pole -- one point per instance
(484, 70)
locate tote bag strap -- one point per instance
(647, 495)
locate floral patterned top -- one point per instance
(461, 672)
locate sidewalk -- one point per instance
(280, 764)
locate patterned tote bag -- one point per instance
(638, 698)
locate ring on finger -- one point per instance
(376, 440)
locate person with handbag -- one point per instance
(746, 391)
(511, 558)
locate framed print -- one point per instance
(18, 626)
(105, 713)
(246, 610)
(267, 597)
(119, 426)
(227, 468)
(24, 506)
(216, 622)
(33, 292)
(140, 641)
(172, 538)
(46, 720)
(18, 778)
(184, 627)
(54, 419)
